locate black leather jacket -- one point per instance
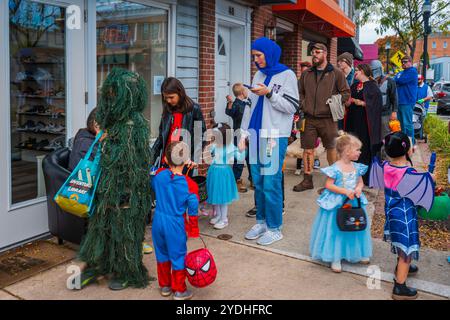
(190, 120)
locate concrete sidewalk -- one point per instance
(301, 208)
(244, 273)
(283, 270)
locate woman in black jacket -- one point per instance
(363, 115)
(180, 117)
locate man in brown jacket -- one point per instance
(317, 85)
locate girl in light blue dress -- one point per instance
(328, 243)
(220, 182)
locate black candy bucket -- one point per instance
(201, 183)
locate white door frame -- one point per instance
(91, 39)
(233, 22)
(28, 220)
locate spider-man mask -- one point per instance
(200, 267)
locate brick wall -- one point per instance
(292, 50)
(207, 51)
(332, 51)
(207, 31)
(261, 16)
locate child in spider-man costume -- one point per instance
(176, 194)
(404, 189)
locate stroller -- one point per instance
(419, 114)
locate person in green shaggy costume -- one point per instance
(113, 243)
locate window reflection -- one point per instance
(38, 92)
(134, 37)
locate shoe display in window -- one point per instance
(40, 126)
(30, 125)
(42, 144)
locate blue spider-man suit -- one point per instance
(175, 195)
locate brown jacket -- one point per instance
(315, 91)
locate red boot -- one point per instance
(179, 285)
(178, 280)
(164, 278)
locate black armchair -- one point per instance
(63, 225)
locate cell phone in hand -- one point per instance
(249, 87)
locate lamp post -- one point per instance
(426, 10)
(387, 47)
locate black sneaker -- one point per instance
(117, 284)
(402, 292)
(251, 213)
(87, 277)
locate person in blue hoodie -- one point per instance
(406, 81)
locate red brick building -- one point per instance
(438, 47)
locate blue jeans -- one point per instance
(267, 178)
(405, 116)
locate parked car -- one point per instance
(441, 93)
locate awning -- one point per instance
(350, 45)
(320, 15)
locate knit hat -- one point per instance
(347, 57)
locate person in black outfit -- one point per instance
(363, 115)
(180, 116)
(235, 109)
(83, 140)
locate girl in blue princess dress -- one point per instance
(328, 243)
(220, 182)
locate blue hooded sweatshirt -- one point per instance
(407, 83)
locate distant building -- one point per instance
(438, 46)
(441, 67)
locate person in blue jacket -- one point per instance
(424, 93)
(406, 81)
(177, 195)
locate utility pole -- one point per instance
(426, 9)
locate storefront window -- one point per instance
(38, 92)
(134, 36)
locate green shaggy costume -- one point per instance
(113, 244)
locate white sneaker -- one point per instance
(256, 231)
(221, 225)
(269, 237)
(214, 220)
(336, 266)
(298, 172)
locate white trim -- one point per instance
(5, 194)
(171, 41)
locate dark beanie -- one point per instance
(347, 57)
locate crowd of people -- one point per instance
(344, 108)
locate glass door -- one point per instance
(46, 81)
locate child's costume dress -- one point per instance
(175, 194)
(220, 182)
(328, 243)
(404, 188)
